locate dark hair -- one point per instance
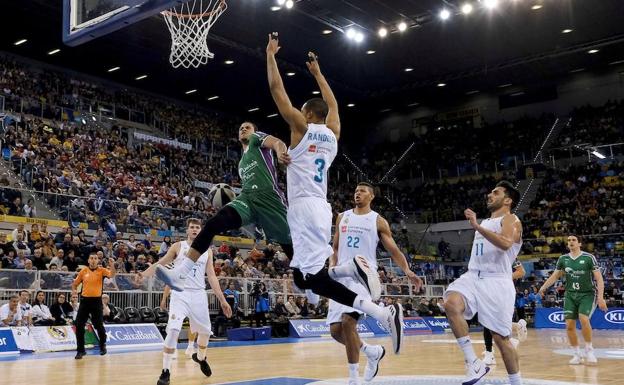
(255, 127)
(14, 296)
(578, 237)
(24, 291)
(193, 221)
(36, 301)
(510, 192)
(318, 107)
(370, 186)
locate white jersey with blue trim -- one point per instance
(196, 277)
(358, 236)
(485, 256)
(310, 162)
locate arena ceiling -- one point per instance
(517, 43)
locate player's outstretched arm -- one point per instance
(385, 236)
(165, 260)
(291, 115)
(332, 121)
(333, 260)
(550, 281)
(602, 304)
(213, 281)
(280, 148)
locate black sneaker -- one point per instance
(205, 368)
(79, 355)
(164, 378)
(103, 350)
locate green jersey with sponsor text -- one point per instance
(578, 271)
(257, 166)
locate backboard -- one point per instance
(84, 20)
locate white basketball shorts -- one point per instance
(336, 310)
(492, 297)
(310, 222)
(192, 304)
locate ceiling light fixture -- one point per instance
(466, 8)
(20, 42)
(213, 97)
(140, 77)
(383, 32)
(113, 69)
(191, 91)
(402, 26)
(54, 51)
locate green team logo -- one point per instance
(569, 270)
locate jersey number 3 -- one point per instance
(353, 242)
(320, 163)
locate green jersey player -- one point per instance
(582, 293)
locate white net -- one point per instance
(189, 24)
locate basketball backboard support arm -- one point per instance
(85, 20)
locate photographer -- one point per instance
(261, 297)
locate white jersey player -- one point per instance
(358, 231)
(314, 134)
(192, 302)
(487, 288)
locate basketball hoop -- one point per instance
(189, 24)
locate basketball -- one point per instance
(220, 195)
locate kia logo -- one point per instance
(615, 316)
(557, 317)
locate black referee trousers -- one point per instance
(90, 306)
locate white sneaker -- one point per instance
(367, 277)
(522, 330)
(171, 277)
(475, 372)
(488, 358)
(576, 360)
(190, 350)
(590, 357)
(394, 324)
(354, 381)
(372, 365)
(514, 343)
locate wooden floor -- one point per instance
(319, 359)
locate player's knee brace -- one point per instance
(226, 219)
(171, 341)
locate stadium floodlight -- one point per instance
(383, 32)
(597, 154)
(490, 4)
(351, 33)
(402, 26)
(466, 8)
(445, 14)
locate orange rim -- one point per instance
(195, 15)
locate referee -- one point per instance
(92, 279)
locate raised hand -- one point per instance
(273, 45)
(313, 64)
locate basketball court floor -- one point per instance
(430, 359)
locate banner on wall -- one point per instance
(21, 334)
(553, 318)
(52, 338)
(7, 342)
(123, 336)
(305, 328)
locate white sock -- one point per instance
(577, 350)
(354, 370)
(365, 348)
(466, 347)
(167, 357)
(589, 346)
(341, 271)
(313, 298)
(515, 379)
(186, 265)
(201, 354)
(368, 307)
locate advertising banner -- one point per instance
(553, 317)
(127, 335)
(7, 342)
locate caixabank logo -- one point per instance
(615, 316)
